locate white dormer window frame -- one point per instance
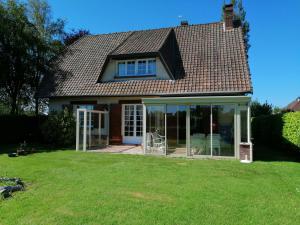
(128, 71)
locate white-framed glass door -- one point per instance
(132, 123)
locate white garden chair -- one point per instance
(156, 142)
(216, 143)
(198, 144)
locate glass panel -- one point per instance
(176, 129)
(122, 69)
(139, 120)
(142, 67)
(95, 139)
(96, 132)
(155, 130)
(223, 130)
(244, 127)
(130, 68)
(152, 67)
(200, 129)
(88, 107)
(129, 120)
(88, 126)
(104, 128)
(81, 119)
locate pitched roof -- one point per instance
(145, 41)
(295, 105)
(205, 59)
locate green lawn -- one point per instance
(67, 187)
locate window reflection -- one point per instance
(155, 130)
(223, 130)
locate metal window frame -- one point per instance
(145, 124)
(87, 113)
(205, 100)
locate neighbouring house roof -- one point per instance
(295, 105)
(202, 60)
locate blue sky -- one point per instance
(274, 55)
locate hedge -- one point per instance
(281, 130)
(18, 128)
(291, 129)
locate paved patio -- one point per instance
(121, 149)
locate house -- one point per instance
(181, 90)
(294, 105)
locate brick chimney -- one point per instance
(184, 23)
(228, 16)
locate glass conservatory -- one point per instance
(92, 129)
(198, 126)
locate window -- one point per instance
(151, 67)
(130, 68)
(133, 120)
(244, 126)
(122, 68)
(88, 107)
(142, 67)
(137, 67)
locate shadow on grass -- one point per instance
(38, 148)
(271, 154)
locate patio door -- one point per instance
(132, 123)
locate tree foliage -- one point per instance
(291, 129)
(60, 128)
(258, 109)
(17, 40)
(74, 35)
(277, 130)
(28, 43)
(49, 32)
(240, 19)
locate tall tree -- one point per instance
(28, 43)
(50, 32)
(17, 37)
(240, 18)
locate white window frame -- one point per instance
(134, 121)
(247, 110)
(87, 127)
(136, 74)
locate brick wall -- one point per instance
(245, 149)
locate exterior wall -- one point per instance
(245, 152)
(111, 71)
(114, 104)
(56, 104)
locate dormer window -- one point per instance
(139, 67)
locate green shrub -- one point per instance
(267, 130)
(60, 129)
(280, 130)
(291, 128)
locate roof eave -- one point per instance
(216, 93)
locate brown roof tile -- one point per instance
(295, 105)
(208, 60)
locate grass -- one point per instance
(67, 187)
